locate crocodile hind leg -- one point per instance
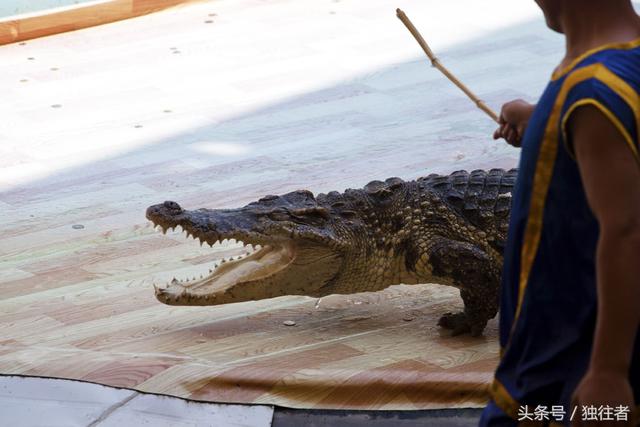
(476, 274)
(473, 318)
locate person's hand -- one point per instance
(514, 117)
(607, 389)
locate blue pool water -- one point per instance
(16, 7)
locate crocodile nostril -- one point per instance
(171, 205)
(152, 211)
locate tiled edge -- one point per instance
(26, 401)
(163, 411)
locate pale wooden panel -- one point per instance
(74, 18)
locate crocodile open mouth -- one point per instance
(262, 261)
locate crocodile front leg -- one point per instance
(475, 272)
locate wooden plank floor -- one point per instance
(41, 23)
(214, 105)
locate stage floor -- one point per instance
(367, 351)
(215, 105)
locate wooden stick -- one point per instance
(436, 63)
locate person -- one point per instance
(570, 301)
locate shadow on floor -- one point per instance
(284, 417)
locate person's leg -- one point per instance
(634, 371)
(492, 416)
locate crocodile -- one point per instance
(444, 229)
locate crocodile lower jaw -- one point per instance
(259, 264)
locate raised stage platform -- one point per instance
(214, 105)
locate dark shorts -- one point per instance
(492, 416)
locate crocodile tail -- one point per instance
(482, 198)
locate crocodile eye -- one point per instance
(311, 215)
(279, 215)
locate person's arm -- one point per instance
(611, 178)
(514, 117)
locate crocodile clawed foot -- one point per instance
(460, 323)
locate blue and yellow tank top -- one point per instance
(548, 304)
